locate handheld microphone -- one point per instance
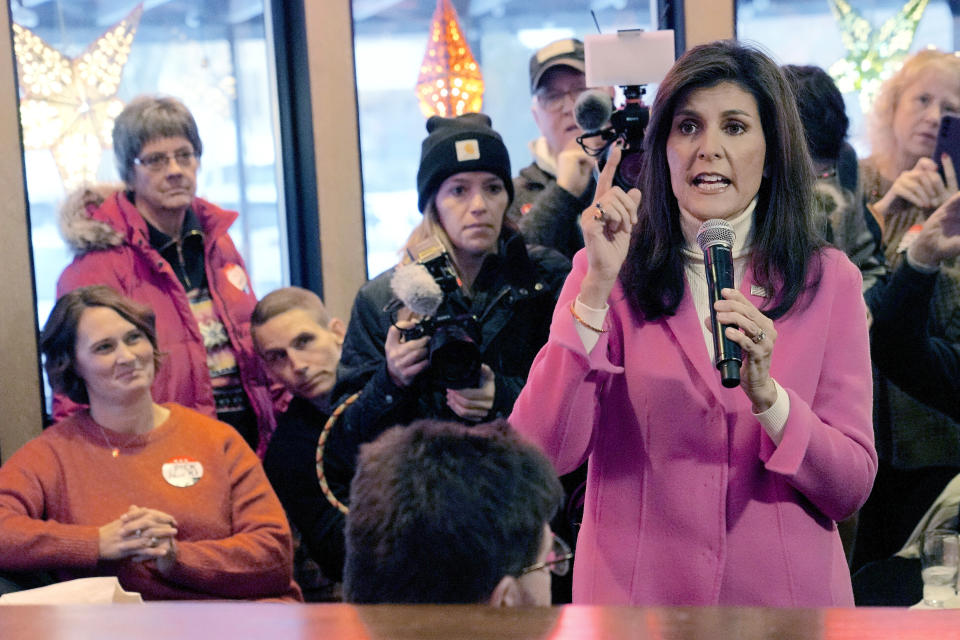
(413, 285)
(592, 110)
(715, 238)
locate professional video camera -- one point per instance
(629, 59)
(424, 286)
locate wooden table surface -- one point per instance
(171, 621)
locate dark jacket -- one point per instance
(290, 464)
(925, 365)
(514, 296)
(546, 213)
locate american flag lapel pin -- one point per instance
(758, 290)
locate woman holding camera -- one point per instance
(464, 187)
(698, 494)
(917, 444)
(171, 502)
(500, 295)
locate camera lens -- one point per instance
(454, 358)
(628, 173)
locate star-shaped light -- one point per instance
(68, 105)
(450, 82)
(873, 55)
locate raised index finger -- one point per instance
(605, 180)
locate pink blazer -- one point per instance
(688, 500)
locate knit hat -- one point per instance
(567, 52)
(456, 145)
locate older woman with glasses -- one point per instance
(153, 240)
(172, 503)
(917, 444)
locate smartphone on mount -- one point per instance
(948, 142)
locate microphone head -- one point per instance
(592, 110)
(413, 285)
(715, 232)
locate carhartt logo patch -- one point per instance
(467, 150)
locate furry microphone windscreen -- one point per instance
(592, 110)
(415, 287)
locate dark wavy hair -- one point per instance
(785, 242)
(821, 108)
(441, 512)
(58, 341)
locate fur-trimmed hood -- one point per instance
(100, 217)
(79, 229)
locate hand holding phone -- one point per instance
(948, 144)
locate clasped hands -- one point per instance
(141, 535)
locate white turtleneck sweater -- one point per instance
(774, 418)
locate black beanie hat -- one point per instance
(456, 145)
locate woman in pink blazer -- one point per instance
(700, 494)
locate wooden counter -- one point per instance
(227, 620)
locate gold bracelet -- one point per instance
(577, 317)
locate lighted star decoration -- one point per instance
(68, 105)
(873, 55)
(450, 82)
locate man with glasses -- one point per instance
(154, 241)
(558, 185)
(448, 514)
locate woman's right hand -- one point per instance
(921, 186)
(135, 532)
(607, 225)
(405, 358)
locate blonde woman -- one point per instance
(917, 446)
(464, 188)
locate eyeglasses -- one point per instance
(160, 161)
(558, 560)
(553, 100)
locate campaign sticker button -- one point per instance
(182, 472)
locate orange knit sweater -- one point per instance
(233, 538)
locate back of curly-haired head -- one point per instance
(441, 512)
(58, 340)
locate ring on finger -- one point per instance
(757, 339)
(154, 541)
(599, 213)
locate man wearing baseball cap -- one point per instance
(558, 185)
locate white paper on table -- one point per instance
(105, 590)
(952, 603)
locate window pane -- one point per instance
(390, 40)
(216, 62)
(806, 32)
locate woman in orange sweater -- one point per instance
(173, 503)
